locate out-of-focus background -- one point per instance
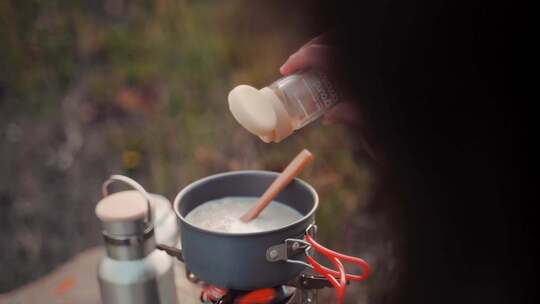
(91, 88)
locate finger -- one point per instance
(344, 113)
(324, 38)
(315, 56)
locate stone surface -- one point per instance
(75, 282)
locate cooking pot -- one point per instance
(254, 260)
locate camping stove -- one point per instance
(303, 289)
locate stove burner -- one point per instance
(276, 295)
(303, 289)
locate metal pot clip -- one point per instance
(293, 247)
(290, 248)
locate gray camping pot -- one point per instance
(251, 260)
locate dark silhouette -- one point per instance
(438, 83)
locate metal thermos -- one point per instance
(133, 270)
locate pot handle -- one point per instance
(172, 251)
(294, 246)
(330, 254)
(337, 259)
(338, 278)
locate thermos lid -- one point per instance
(124, 213)
(112, 208)
(122, 206)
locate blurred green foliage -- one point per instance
(139, 87)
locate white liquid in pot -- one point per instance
(223, 215)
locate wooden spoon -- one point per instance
(291, 171)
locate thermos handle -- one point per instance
(132, 183)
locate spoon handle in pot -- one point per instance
(291, 171)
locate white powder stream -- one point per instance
(223, 215)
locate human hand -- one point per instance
(320, 54)
(316, 53)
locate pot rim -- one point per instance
(187, 188)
